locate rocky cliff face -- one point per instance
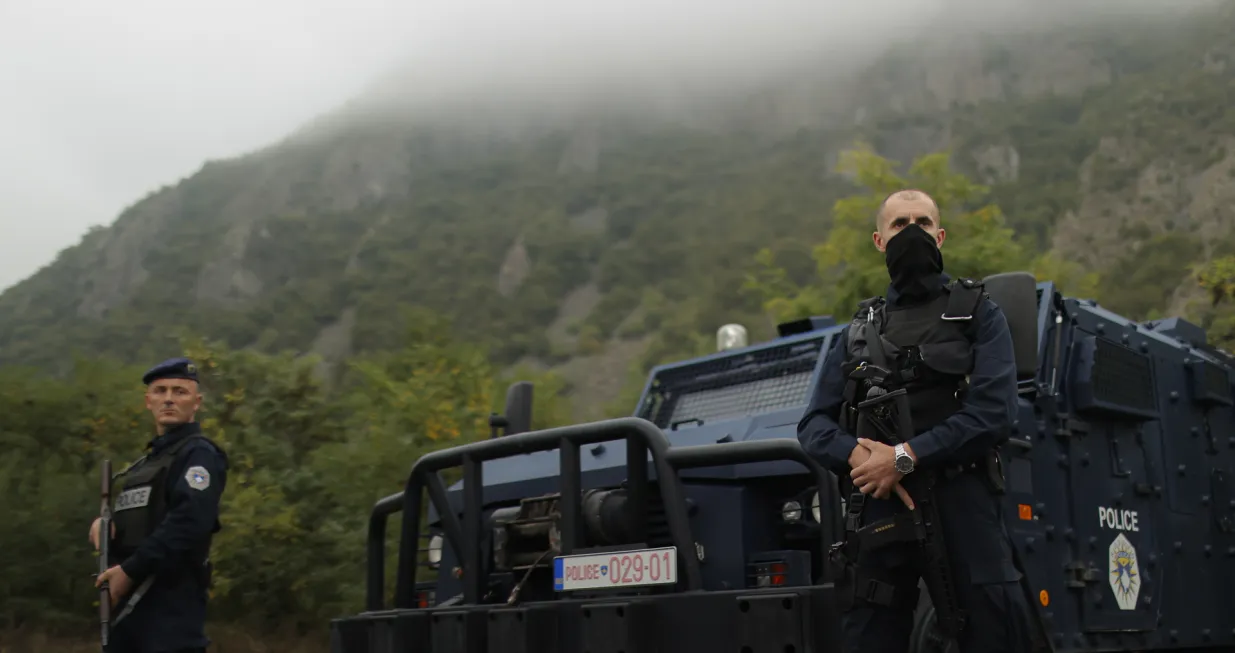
(230, 198)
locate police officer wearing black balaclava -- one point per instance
(166, 511)
(961, 380)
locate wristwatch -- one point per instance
(904, 462)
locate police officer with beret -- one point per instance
(166, 511)
(949, 347)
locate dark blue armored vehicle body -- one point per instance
(1119, 500)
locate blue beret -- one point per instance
(173, 368)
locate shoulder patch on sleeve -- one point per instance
(197, 477)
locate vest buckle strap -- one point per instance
(869, 589)
(964, 296)
(877, 592)
(853, 512)
(853, 522)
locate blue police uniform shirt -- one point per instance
(983, 421)
(172, 613)
(195, 483)
(972, 517)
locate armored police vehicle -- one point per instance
(1118, 497)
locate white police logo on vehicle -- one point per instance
(1125, 573)
(197, 477)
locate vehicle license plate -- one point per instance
(591, 571)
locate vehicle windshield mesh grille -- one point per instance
(736, 386)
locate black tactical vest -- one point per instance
(142, 503)
(928, 347)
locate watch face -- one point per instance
(904, 464)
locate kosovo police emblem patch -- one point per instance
(197, 477)
(1125, 573)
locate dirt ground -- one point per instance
(226, 640)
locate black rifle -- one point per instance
(887, 414)
(105, 552)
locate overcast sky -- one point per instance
(104, 101)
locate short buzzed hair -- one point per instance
(904, 194)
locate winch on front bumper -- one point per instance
(677, 616)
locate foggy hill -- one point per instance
(592, 222)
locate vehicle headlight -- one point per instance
(814, 508)
(435, 551)
(791, 511)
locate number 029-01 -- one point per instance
(617, 569)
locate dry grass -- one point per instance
(227, 639)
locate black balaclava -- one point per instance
(914, 264)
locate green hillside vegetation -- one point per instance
(678, 205)
(308, 461)
(664, 228)
(850, 269)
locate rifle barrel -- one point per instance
(105, 551)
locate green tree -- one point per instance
(53, 435)
(269, 413)
(550, 403)
(1217, 279)
(850, 269)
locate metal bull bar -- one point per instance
(641, 437)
